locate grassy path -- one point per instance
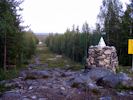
(48, 58)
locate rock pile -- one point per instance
(102, 57)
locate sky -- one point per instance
(55, 16)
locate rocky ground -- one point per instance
(54, 87)
(56, 84)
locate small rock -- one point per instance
(31, 65)
(81, 86)
(56, 69)
(30, 87)
(12, 95)
(67, 96)
(68, 73)
(121, 93)
(55, 86)
(106, 98)
(33, 97)
(67, 66)
(131, 92)
(2, 81)
(62, 88)
(26, 99)
(43, 99)
(58, 79)
(91, 88)
(55, 73)
(8, 84)
(29, 82)
(107, 52)
(58, 56)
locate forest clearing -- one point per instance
(48, 76)
(71, 65)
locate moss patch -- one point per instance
(63, 75)
(118, 69)
(123, 88)
(96, 91)
(45, 76)
(3, 88)
(30, 77)
(75, 84)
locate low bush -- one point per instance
(118, 69)
(121, 87)
(45, 76)
(96, 91)
(30, 77)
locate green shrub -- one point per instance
(30, 77)
(118, 69)
(26, 62)
(3, 88)
(75, 84)
(63, 75)
(45, 76)
(76, 68)
(9, 75)
(96, 91)
(121, 87)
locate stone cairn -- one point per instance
(102, 56)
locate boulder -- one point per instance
(128, 83)
(97, 73)
(83, 79)
(92, 88)
(67, 66)
(33, 73)
(115, 79)
(37, 74)
(58, 56)
(68, 73)
(44, 73)
(55, 73)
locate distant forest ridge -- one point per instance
(46, 33)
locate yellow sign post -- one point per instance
(130, 51)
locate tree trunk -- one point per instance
(21, 58)
(5, 53)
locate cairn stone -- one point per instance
(102, 57)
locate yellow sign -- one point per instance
(130, 46)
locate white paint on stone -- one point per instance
(40, 42)
(101, 43)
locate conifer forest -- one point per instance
(115, 26)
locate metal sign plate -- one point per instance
(130, 46)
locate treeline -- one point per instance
(74, 44)
(15, 45)
(116, 26)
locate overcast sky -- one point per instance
(46, 16)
